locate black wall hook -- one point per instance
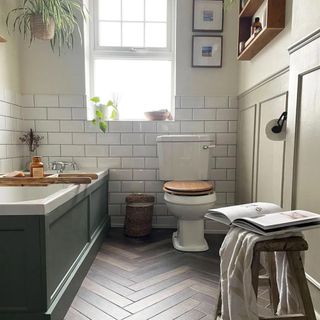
(280, 123)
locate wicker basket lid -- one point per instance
(139, 198)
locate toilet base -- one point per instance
(190, 236)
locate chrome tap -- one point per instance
(60, 166)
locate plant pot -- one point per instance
(41, 30)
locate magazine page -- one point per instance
(281, 219)
(277, 231)
(227, 215)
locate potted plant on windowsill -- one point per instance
(53, 20)
(104, 112)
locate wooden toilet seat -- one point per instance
(188, 188)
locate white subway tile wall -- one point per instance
(129, 148)
(13, 155)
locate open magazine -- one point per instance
(265, 218)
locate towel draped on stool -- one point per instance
(239, 301)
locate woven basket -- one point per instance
(40, 30)
(139, 211)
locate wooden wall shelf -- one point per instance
(2, 39)
(250, 8)
(274, 24)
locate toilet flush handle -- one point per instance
(206, 147)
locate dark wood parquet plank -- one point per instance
(103, 270)
(107, 248)
(203, 298)
(191, 315)
(106, 293)
(159, 278)
(205, 289)
(206, 308)
(140, 279)
(160, 286)
(115, 261)
(177, 310)
(73, 314)
(150, 300)
(113, 269)
(107, 283)
(103, 304)
(162, 305)
(89, 310)
(208, 317)
(155, 265)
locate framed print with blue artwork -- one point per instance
(207, 15)
(207, 51)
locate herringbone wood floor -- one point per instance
(147, 279)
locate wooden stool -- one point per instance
(292, 246)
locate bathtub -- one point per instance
(41, 200)
(49, 237)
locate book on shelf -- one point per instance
(265, 218)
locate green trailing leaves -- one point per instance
(103, 126)
(95, 99)
(99, 114)
(104, 112)
(63, 12)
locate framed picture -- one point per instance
(207, 51)
(207, 15)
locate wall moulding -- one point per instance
(304, 41)
(265, 81)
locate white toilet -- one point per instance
(184, 165)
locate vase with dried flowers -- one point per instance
(31, 139)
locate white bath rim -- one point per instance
(55, 195)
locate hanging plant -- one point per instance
(53, 20)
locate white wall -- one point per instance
(11, 124)
(270, 59)
(9, 53)
(206, 81)
(306, 18)
(45, 72)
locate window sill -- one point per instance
(142, 120)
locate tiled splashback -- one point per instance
(13, 155)
(129, 147)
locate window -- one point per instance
(133, 55)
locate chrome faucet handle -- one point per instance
(61, 166)
(52, 165)
(74, 165)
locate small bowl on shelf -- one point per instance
(159, 115)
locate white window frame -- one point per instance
(145, 53)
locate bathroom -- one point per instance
(48, 92)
